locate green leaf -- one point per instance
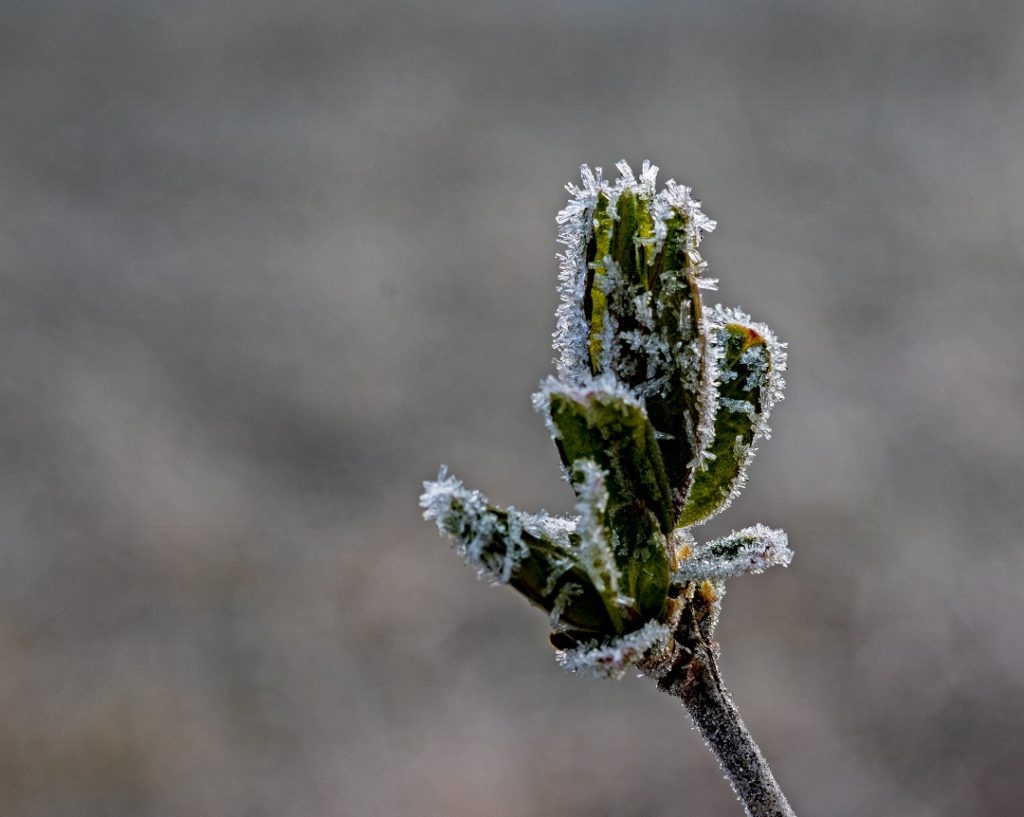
(624, 246)
(675, 412)
(645, 571)
(595, 302)
(549, 575)
(543, 570)
(741, 382)
(615, 434)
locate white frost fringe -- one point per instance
(751, 550)
(611, 659)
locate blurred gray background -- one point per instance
(266, 265)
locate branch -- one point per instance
(693, 677)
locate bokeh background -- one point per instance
(266, 265)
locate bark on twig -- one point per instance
(693, 677)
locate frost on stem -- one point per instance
(655, 411)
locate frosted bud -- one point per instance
(632, 316)
(655, 413)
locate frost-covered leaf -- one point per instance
(592, 546)
(611, 429)
(748, 385)
(751, 550)
(677, 409)
(605, 436)
(631, 288)
(612, 657)
(534, 553)
(598, 264)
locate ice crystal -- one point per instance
(656, 410)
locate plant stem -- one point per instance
(694, 679)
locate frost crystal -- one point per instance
(574, 221)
